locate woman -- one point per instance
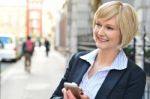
(107, 73)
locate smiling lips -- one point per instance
(102, 39)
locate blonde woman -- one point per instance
(106, 72)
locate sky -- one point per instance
(52, 5)
(12, 2)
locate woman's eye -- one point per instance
(97, 24)
(110, 28)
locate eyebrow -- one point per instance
(111, 25)
(97, 21)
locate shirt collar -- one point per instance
(90, 57)
(119, 63)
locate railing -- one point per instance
(86, 42)
(147, 92)
(146, 50)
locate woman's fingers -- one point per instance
(64, 91)
(84, 96)
(67, 94)
(70, 95)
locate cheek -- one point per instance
(94, 34)
(94, 30)
(118, 39)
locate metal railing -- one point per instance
(147, 92)
(86, 42)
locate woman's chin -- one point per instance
(101, 46)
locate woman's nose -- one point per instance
(101, 31)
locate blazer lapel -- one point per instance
(110, 81)
(83, 66)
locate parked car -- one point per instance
(10, 47)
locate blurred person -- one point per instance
(39, 42)
(106, 72)
(28, 49)
(47, 46)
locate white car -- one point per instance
(10, 48)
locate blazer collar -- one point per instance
(83, 67)
(90, 57)
(108, 84)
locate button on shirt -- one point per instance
(91, 85)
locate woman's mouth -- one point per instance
(101, 39)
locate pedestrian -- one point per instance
(39, 42)
(28, 49)
(47, 46)
(106, 72)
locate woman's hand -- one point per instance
(68, 94)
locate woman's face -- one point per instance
(106, 34)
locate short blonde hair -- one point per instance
(126, 19)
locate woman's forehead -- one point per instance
(112, 19)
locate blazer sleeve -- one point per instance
(136, 84)
(58, 93)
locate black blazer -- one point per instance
(119, 84)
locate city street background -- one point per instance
(45, 75)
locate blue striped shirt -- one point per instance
(91, 85)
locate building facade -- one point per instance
(12, 19)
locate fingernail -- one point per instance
(81, 93)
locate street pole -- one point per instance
(0, 64)
(144, 35)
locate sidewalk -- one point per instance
(45, 75)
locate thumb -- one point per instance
(84, 97)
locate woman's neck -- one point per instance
(105, 57)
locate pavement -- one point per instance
(45, 75)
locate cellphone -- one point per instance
(73, 87)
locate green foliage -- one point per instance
(147, 54)
(129, 51)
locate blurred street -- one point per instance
(46, 73)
